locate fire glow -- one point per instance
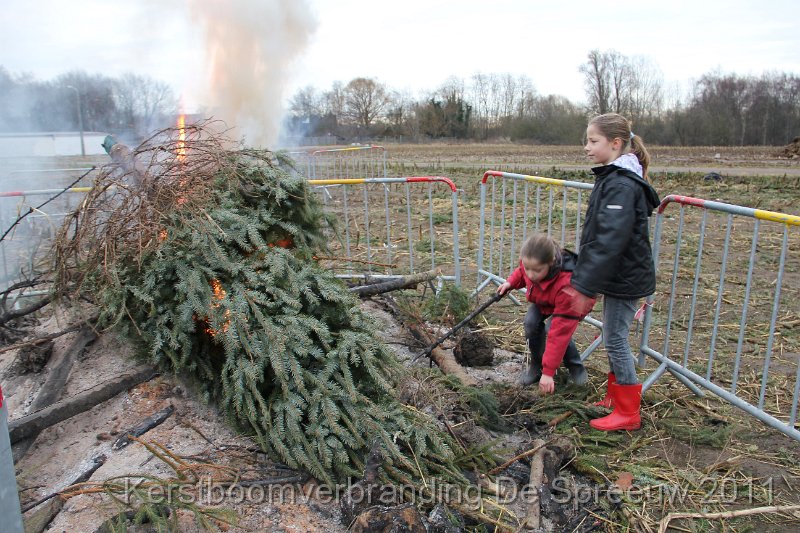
(219, 295)
(181, 138)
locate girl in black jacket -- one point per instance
(615, 258)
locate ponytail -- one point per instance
(640, 151)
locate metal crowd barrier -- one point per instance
(692, 318)
(511, 228)
(338, 163)
(747, 313)
(18, 249)
(10, 512)
(528, 202)
(380, 239)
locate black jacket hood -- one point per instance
(567, 261)
(650, 193)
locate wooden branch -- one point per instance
(38, 520)
(352, 260)
(388, 286)
(443, 359)
(458, 326)
(560, 418)
(523, 455)
(24, 284)
(53, 386)
(143, 427)
(19, 313)
(662, 526)
(34, 423)
(38, 207)
(42, 339)
(83, 477)
(533, 517)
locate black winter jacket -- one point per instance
(615, 257)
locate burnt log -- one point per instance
(404, 282)
(34, 423)
(53, 386)
(143, 427)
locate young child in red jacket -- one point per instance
(545, 270)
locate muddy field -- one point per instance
(748, 161)
(714, 457)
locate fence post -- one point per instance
(10, 513)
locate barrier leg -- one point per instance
(9, 497)
(658, 372)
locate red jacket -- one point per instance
(553, 296)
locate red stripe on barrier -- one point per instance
(428, 179)
(679, 199)
(11, 193)
(488, 173)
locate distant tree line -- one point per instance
(131, 105)
(717, 109)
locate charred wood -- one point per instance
(394, 285)
(34, 423)
(143, 427)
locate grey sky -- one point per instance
(414, 44)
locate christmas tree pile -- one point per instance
(206, 254)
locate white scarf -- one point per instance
(629, 162)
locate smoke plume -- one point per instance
(250, 47)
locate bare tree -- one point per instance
(365, 99)
(143, 102)
(479, 95)
(616, 83)
(96, 91)
(335, 100)
(596, 82)
(645, 88)
(399, 110)
(526, 94)
(306, 103)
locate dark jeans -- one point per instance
(536, 334)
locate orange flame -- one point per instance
(219, 295)
(181, 138)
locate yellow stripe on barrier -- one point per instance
(541, 179)
(783, 218)
(80, 189)
(343, 181)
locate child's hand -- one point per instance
(546, 384)
(504, 288)
(579, 303)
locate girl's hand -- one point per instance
(504, 288)
(546, 384)
(579, 303)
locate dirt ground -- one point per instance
(729, 161)
(194, 432)
(760, 465)
(750, 459)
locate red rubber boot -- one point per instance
(608, 401)
(627, 402)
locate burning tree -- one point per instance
(204, 252)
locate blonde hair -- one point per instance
(541, 248)
(615, 126)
